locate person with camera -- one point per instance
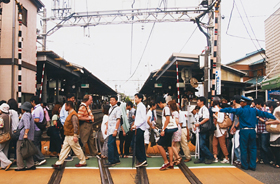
(86, 120)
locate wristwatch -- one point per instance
(116, 129)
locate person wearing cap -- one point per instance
(4, 147)
(247, 124)
(27, 127)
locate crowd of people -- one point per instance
(224, 131)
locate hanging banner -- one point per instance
(218, 82)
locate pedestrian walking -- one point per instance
(203, 116)
(112, 131)
(54, 132)
(124, 128)
(71, 141)
(168, 128)
(140, 125)
(235, 129)
(5, 127)
(86, 120)
(275, 137)
(220, 134)
(27, 127)
(104, 150)
(265, 155)
(38, 116)
(62, 116)
(248, 120)
(131, 132)
(151, 120)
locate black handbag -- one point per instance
(42, 125)
(208, 125)
(27, 149)
(16, 134)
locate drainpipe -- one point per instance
(13, 48)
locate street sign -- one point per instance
(218, 82)
(84, 85)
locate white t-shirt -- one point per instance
(15, 119)
(165, 112)
(103, 126)
(202, 113)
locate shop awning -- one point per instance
(272, 83)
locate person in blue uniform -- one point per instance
(247, 123)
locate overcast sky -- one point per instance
(106, 50)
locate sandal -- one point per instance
(178, 161)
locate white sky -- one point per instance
(106, 53)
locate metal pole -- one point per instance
(44, 29)
(13, 49)
(20, 46)
(178, 90)
(206, 74)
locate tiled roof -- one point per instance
(253, 80)
(247, 56)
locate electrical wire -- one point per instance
(131, 44)
(142, 54)
(188, 39)
(245, 27)
(251, 27)
(229, 25)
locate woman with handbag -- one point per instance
(54, 132)
(220, 134)
(27, 127)
(5, 136)
(275, 137)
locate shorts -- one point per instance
(166, 140)
(147, 137)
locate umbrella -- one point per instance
(134, 149)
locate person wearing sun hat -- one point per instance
(4, 147)
(247, 124)
(27, 127)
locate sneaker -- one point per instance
(225, 161)
(58, 167)
(209, 161)
(36, 163)
(142, 164)
(261, 161)
(80, 165)
(237, 162)
(69, 159)
(42, 162)
(109, 164)
(216, 160)
(198, 162)
(164, 166)
(31, 168)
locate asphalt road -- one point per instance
(265, 173)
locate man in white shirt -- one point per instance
(140, 125)
(203, 116)
(112, 130)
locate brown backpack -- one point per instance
(226, 123)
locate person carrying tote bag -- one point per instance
(5, 136)
(27, 132)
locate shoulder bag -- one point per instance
(273, 128)
(4, 137)
(226, 123)
(207, 126)
(27, 149)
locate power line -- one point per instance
(229, 25)
(234, 4)
(188, 39)
(142, 53)
(251, 26)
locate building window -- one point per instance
(24, 16)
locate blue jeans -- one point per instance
(248, 143)
(265, 152)
(237, 153)
(204, 151)
(113, 155)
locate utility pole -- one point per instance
(44, 45)
(13, 49)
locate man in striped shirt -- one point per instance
(86, 120)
